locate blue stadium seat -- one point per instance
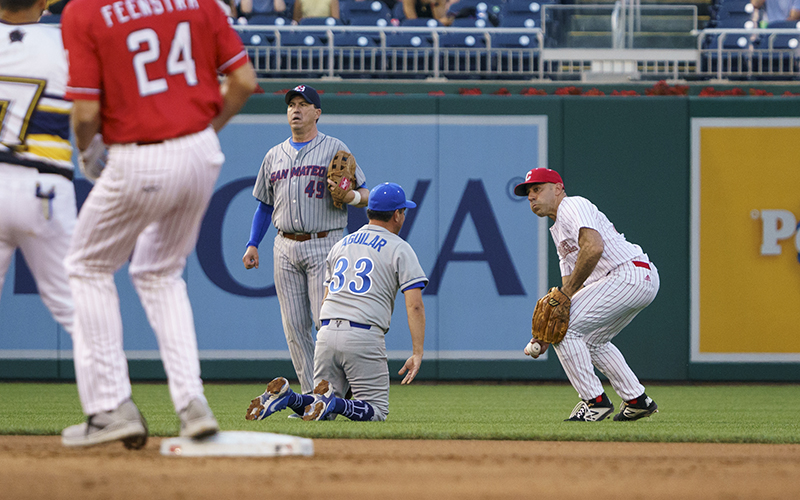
(522, 13)
(463, 54)
(268, 20)
(365, 13)
(320, 21)
(736, 55)
(779, 54)
(471, 22)
(422, 22)
(407, 52)
(355, 52)
(513, 58)
(736, 20)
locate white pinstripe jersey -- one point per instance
(575, 212)
(34, 127)
(295, 183)
(364, 271)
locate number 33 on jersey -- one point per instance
(364, 271)
(159, 48)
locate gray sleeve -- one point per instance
(262, 190)
(409, 272)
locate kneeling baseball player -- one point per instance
(364, 271)
(606, 282)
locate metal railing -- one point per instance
(490, 55)
(479, 51)
(755, 54)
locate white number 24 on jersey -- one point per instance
(360, 284)
(179, 60)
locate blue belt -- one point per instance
(326, 322)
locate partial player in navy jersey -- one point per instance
(363, 273)
(292, 191)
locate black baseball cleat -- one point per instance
(641, 407)
(592, 410)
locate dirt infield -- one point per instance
(39, 467)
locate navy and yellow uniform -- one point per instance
(37, 197)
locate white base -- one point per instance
(239, 444)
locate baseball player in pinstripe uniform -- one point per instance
(363, 273)
(37, 198)
(144, 75)
(609, 281)
(292, 190)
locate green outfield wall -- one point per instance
(643, 161)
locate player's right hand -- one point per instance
(411, 365)
(250, 258)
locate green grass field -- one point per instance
(703, 413)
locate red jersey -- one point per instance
(153, 64)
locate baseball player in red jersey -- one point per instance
(609, 281)
(144, 75)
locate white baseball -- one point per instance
(533, 348)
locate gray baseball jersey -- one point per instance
(364, 271)
(622, 285)
(295, 183)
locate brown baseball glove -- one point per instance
(342, 171)
(551, 317)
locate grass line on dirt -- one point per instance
(707, 413)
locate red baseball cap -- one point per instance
(537, 176)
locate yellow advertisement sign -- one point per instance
(745, 240)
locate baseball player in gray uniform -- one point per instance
(364, 271)
(292, 190)
(37, 198)
(609, 281)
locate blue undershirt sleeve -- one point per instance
(420, 284)
(261, 222)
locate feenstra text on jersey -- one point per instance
(127, 10)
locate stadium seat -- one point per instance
(258, 43)
(512, 53)
(471, 22)
(420, 22)
(268, 20)
(408, 53)
(522, 13)
(778, 54)
(736, 54)
(301, 52)
(464, 54)
(355, 52)
(366, 13)
(320, 21)
(736, 20)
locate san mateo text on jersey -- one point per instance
(360, 238)
(126, 10)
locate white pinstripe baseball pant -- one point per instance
(598, 313)
(299, 283)
(149, 200)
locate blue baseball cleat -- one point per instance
(273, 400)
(323, 402)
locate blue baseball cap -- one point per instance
(308, 93)
(388, 197)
